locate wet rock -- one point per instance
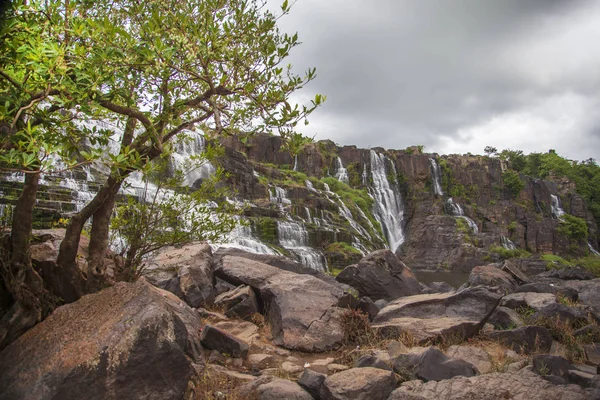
(131, 340)
(475, 356)
(490, 276)
(432, 316)
(526, 339)
(301, 309)
(312, 381)
(518, 385)
(238, 303)
(505, 318)
(537, 301)
(216, 339)
(359, 384)
(186, 272)
(380, 275)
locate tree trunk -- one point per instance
(99, 235)
(32, 300)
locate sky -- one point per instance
(455, 76)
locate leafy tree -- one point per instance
(489, 150)
(512, 181)
(573, 227)
(155, 68)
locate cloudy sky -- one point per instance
(454, 76)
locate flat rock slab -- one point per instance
(522, 385)
(537, 301)
(225, 343)
(359, 384)
(129, 341)
(301, 309)
(473, 355)
(428, 317)
(527, 339)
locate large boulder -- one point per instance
(526, 339)
(505, 318)
(225, 343)
(301, 309)
(185, 271)
(568, 315)
(543, 287)
(589, 292)
(359, 384)
(238, 303)
(279, 389)
(518, 385)
(381, 275)
(488, 275)
(476, 356)
(433, 365)
(428, 317)
(129, 341)
(536, 301)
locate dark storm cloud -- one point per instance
(453, 74)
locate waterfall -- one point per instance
(436, 175)
(241, 238)
(592, 250)
(365, 176)
(308, 217)
(296, 162)
(185, 159)
(507, 243)
(557, 211)
(341, 173)
(279, 196)
(456, 210)
(293, 237)
(388, 208)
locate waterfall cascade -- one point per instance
(279, 196)
(365, 176)
(241, 238)
(557, 211)
(388, 207)
(183, 159)
(295, 163)
(293, 237)
(507, 243)
(456, 210)
(436, 176)
(341, 173)
(592, 250)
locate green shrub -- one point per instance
(512, 182)
(512, 226)
(573, 227)
(506, 253)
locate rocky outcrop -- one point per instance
(518, 385)
(359, 384)
(526, 339)
(489, 275)
(380, 275)
(432, 365)
(301, 309)
(187, 272)
(130, 341)
(429, 317)
(240, 302)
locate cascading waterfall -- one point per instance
(456, 210)
(388, 208)
(365, 176)
(341, 173)
(507, 243)
(241, 238)
(183, 158)
(308, 217)
(279, 196)
(293, 237)
(296, 162)
(345, 212)
(436, 176)
(556, 209)
(592, 250)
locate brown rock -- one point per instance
(359, 384)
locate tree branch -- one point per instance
(128, 112)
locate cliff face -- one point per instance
(329, 205)
(464, 222)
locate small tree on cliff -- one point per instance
(161, 67)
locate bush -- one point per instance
(357, 329)
(506, 253)
(573, 227)
(512, 182)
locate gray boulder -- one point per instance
(537, 301)
(129, 341)
(527, 339)
(301, 309)
(488, 275)
(186, 271)
(225, 343)
(505, 318)
(359, 384)
(429, 317)
(279, 389)
(516, 385)
(380, 275)
(565, 314)
(543, 287)
(433, 365)
(546, 364)
(238, 303)
(569, 273)
(312, 381)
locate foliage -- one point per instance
(590, 263)
(266, 228)
(489, 150)
(164, 217)
(357, 329)
(573, 227)
(342, 247)
(507, 253)
(512, 181)
(512, 226)
(296, 143)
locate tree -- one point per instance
(490, 150)
(156, 68)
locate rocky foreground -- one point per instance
(235, 325)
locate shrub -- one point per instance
(573, 227)
(512, 182)
(506, 253)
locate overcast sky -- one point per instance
(453, 75)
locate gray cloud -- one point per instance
(453, 75)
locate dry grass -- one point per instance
(212, 385)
